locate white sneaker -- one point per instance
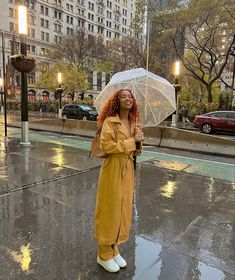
(120, 261)
(109, 265)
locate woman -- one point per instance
(118, 139)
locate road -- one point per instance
(183, 213)
(15, 117)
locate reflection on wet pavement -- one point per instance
(24, 258)
(183, 224)
(168, 189)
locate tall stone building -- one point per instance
(49, 20)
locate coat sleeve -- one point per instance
(110, 145)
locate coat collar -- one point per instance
(122, 128)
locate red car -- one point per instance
(216, 121)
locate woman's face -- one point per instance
(125, 100)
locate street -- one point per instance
(15, 117)
(183, 213)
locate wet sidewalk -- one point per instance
(183, 216)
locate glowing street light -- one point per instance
(22, 23)
(177, 89)
(59, 91)
(177, 68)
(22, 20)
(59, 78)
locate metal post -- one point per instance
(177, 100)
(4, 85)
(233, 81)
(60, 101)
(2, 105)
(147, 49)
(24, 99)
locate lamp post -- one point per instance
(1, 92)
(59, 92)
(233, 78)
(4, 86)
(22, 23)
(177, 89)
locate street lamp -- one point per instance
(1, 92)
(177, 89)
(4, 85)
(59, 91)
(22, 23)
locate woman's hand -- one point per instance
(139, 137)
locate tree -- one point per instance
(74, 80)
(200, 24)
(126, 53)
(86, 52)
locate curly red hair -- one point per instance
(112, 107)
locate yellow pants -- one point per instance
(107, 252)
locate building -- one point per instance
(49, 20)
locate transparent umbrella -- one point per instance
(155, 95)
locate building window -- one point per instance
(100, 10)
(42, 36)
(31, 78)
(99, 81)
(80, 23)
(57, 39)
(69, 19)
(11, 12)
(12, 27)
(100, 30)
(58, 2)
(44, 23)
(33, 49)
(44, 10)
(108, 34)
(91, 27)
(32, 32)
(116, 18)
(90, 16)
(57, 14)
(91, 6)
(69, 31)
(58, 28)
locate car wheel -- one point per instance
(206, 128)
(84, 118)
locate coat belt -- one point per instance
(128, 160)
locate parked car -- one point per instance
(223, 121)
(81, 111)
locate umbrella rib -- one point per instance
(148, 104)
(159, 91)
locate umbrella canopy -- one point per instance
(155, 95)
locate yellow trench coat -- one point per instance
(116, 184)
